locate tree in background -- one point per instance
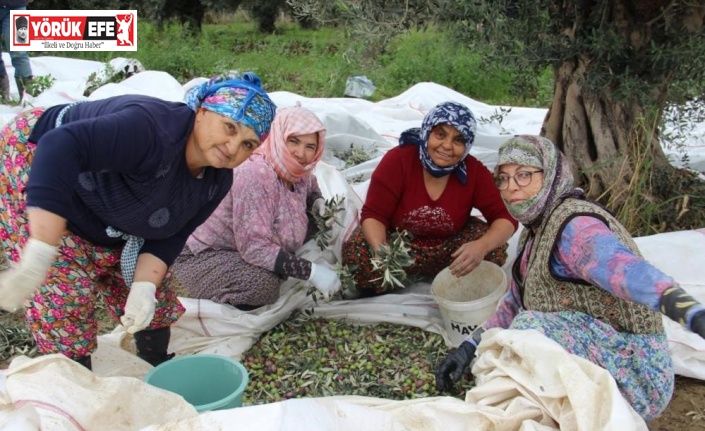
(189, 13)
(373, 22)
(617, 66)
(82, 4)
(267, 12)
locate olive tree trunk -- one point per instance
(607, 139)
(603, 138)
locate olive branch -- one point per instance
(356, 155)
(391, 260)
(324, 223)
(347, 279)
(15, 337)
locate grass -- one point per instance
(314, 63)
(657, 198)
(432, 56)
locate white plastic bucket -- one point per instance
(466, 302)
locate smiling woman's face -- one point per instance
(446, 145)
(222, 142)
(303, 147)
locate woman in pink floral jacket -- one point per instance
(241, 254)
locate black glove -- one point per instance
(454, 365)
(697, 324)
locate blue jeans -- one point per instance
(20, 59)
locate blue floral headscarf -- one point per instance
(238, 97)
(450, 113)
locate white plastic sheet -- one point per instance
(524, 382)
(583, 395)
(67, 396)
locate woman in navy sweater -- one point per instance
(116, 186)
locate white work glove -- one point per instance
(18, 284)
(140, 306)
(319, 206)
(324, 279)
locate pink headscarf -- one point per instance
(292, 121)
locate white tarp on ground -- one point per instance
(524, 382)
(583, 394)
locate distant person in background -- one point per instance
(20, 59)
(428, 186)
(246, 248)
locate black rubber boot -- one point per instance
(85, 361)
(152, 345)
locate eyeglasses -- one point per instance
(522, 178)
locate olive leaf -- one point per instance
(391, 260)
(323, 224)
(314, 293)
(356, 155)
(347, 279)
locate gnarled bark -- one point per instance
(599, 134)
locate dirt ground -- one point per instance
(686, 411)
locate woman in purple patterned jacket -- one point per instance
(580, 280)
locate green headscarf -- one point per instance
(538, 152)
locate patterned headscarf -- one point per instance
(450, 113)
(538, 152)
(240, 98)
(289, 122)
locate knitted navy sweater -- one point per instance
(121, 162)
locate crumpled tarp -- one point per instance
(524, 380)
